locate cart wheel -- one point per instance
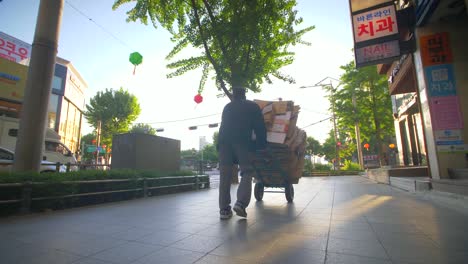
(289, 192)
(258, 191)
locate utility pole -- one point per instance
(335, 132)
(30, 143)
(358, 134)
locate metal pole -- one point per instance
(358, 134)
(30, 143)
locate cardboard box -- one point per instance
(281, 107)
(276, 137)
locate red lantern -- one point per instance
(198, 98)
(366, 146)
(93, 141)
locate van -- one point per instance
(53, 149)
(7, 157)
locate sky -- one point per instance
(99, 49)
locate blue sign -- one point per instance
(440, 80)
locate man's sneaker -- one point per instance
(225, 213)
(240, 210)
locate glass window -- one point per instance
(52, 111)
(56, 147)
(63, 118)
(57, 83)
(6, 155)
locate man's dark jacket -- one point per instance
(239, 119)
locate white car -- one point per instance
(6, 163)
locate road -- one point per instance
(214, 178)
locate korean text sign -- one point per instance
(376, 23)
(13, 49)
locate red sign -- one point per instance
(13, 49)
(376, 23)
(435, 49)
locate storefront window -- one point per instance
(52, 111)
(63, 118)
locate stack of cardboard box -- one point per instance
(286, 141)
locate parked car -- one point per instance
(6, 163)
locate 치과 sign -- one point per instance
(375, 23)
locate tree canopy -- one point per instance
(372, 109)
(143, 129)
(244, 42)
(115, 109)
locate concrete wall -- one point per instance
(439, 162)
(147, 152)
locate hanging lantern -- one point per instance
(136, 59)
(198, 98)
(93, 141)
(392, 146)
(366, 146)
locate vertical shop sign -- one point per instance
(444, 103)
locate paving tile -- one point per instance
(251, 247)
(283, 254)
(429, 255)
(89, 247)
(197, 243)
(188, 227)
(354, 234)
(404, 240)
(355, 225)
(50, 257)
(171, 255)
(357, 247)
(126, 253)
(213, 259)
(383, 228)
(301, 241)
(91, 261)
(163, 238)
(334, 258)
(133, 233)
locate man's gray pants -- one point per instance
(228, 154)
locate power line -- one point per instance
(180, 120)
(318, 122)
(312, 111)
(104, 29)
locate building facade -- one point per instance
(67, 99)
(429, 88)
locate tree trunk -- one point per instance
(378, 130)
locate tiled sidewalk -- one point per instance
(332, 220)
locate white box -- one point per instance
(276, 137)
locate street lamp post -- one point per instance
(335, 133)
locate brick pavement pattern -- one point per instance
(349, 220)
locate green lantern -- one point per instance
(136, 59)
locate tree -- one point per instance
(244, 42)
(143, 129)
(116, 110)
(373, 107)
(313, 148)
(87, 140)
(210, 154)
